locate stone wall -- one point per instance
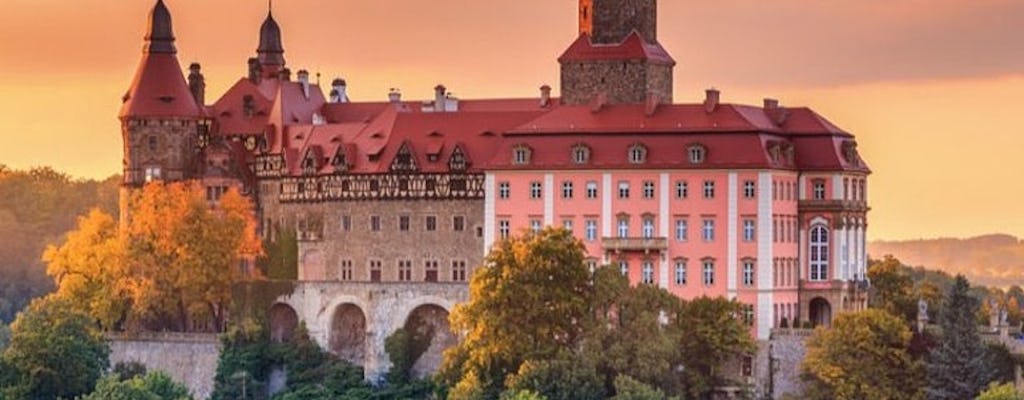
(613, 20)
(187, 358)
(622, 82)
(779, 359)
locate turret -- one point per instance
(197, 84)
(271, 51)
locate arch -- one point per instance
(347, 334)
(820, 253)
(430, 321)
(820, 312)
(283, 321)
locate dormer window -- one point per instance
(698, 154)
(521, 155)
(580, 154)
(850, 152)
(248, 106)
(458, 161)
(637, 154)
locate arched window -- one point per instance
(580, 154)
(637, 154)
(521, 155)
(819, 253)
(698, 154)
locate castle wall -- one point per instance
(187, 358)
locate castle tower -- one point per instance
(617, 58)
(160, 117)
(271, 51)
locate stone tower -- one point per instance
(160, 116)
(617, 58)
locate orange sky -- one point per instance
(933, 89)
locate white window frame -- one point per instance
(536, 190)
(590, 230)
(680, 273)
(709, 189)
(708, 230)
(682, 230)
(504, 228)
(749, 189)
(647, 273)
(708, 275)
(623, 227)
(682, 190)
(504, 190)
(567, 190)
(624, 189)
(748, 273)
(592, 190)
(749, 230)
(649, 189)
(647, 228)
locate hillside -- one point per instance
(993, 260)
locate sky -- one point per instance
(933, 89)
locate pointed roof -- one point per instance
(632, 48)
(159, 88)
(271, 51)
(160, 35)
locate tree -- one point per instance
(627, 388)
(863, 356)
(1001, 392)
(892, 288)
(151, 386)
(171, 263)
(958, 366)
(55, 351)
(711, 334)
(528, 302)
(566, 377)
(282, 259)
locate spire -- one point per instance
(271, 52)
(160, 35)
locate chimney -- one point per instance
(711, 100)
(440, 92)
(545, 96)
(197, 84)
(395, 96)
(255, 70)
(651, 106)
(303, 76)
(770, 105)
(339, 94)
(777, 113)
(285, 75)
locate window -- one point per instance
(591, 230)
(749, 189)
(680, 272)
(681, 230)
(637, 154)
(748, 230)
(404, 270)
(819, 253)
(682, 190)
(567, 224)
(647, 273)
(375, 223)
(748, 314)
(430, 271)
(152, 143)
(458, 223)
(504, 190)
(431, 223)
(648, 189)
(708, 233)
(623, 227)
(748, 273)
(567, 190)
(503, 228)
(591, 190)
(375, 270)
(709, 272)
(648, 227)
(819, 190)
(458, 271)
(521, 155)
(623, 190)
(591, 265)
(709, 189)
(152, 174)
(535, 225)
(346, 270)
(624, 268)
(697, 154)
(346, 223)
(403, 223)
(580, 154)
(536, 190)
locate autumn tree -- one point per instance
(958, 367)
(1001, 392)
(863, 356)
(710, 334)
(892, 288)
(529, 301)
(172, 262)
(55, 352)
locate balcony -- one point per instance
(645, 245)
(833, 205)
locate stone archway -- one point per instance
(821, 312)
(430, 320)
(347, 337)
(283, 321)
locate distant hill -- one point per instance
(993, 260)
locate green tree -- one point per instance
(627, 388)
(282, 259)
(1001, 392)
(566, 377)
(521, 395)
(863, 356)
(892, 288)
(55, 351)
(958, 366)
(711, 334)
(5, 336)
(529, 302)
(151, 386)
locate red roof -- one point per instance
(632, 48)
(159, 90)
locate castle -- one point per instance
(395, 202)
